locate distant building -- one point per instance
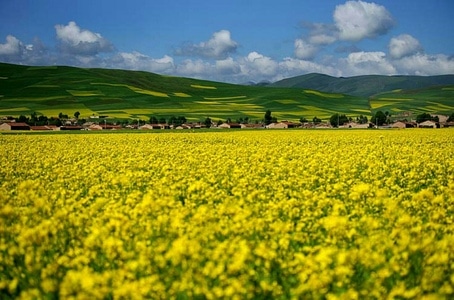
(427, 124)
(14, 126)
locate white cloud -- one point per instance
(12, 47)
(304, 50)
(227, 66)
(219, 47)
(425, 65)
(357, 20)
(256, 65)
(403, 45)
(292, 67)
(138, 61)
(365, 63)
(80, 41)
(194, 68)
(321, 34)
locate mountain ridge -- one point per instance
(363, 85)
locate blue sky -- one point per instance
(233, 41)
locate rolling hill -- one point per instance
(121, 94)
(363, 86)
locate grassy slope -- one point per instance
(134, 94)
(363, 86)
(428, 100)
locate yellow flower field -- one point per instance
(295, 214)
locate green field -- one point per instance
(437, 99)
(125, 94)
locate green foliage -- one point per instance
(268, 119)
(425, 117)
(136, 95)
(316, 120)
(336, 120)
(207, 122)
(364, 86)
(379, 118)
(362, 119)
(451, 118)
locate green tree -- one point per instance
(76, 115)
(316, 120)
(451, 118)
(207, 122)
(303, 120)
(423, 117)
(336, 120)
(362, 119)
(22, 119)
(268, 118)
(379, 118)
(153, 120)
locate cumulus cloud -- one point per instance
(256, 65)
(365, 63)
(425, 65)
(138, 61)
(321, 34)
(357, 20)
(228, 66)
(12, 47)
(292, 67)
(219, 47)
(77, 41)
(403, 45)
(304, 50)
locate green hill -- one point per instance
(122, 94)
(134, 94)
(436, 99)
(363, 86)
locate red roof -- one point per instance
(14, 124)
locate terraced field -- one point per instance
(435, 99)
(124, 94)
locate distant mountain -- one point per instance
(363, 86)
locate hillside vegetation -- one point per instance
(125, 94)
(363, 86)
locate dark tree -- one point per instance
(268, 119)
(153, 120)
(22, 119)
(361, 119)
(423, 117)
(316, 120)
(336, 120)
(451, 118)
(207, 122)
(379, 118)
(76, 115)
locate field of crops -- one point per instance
(247, 214)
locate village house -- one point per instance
(428, 124)
(229, 125)
(14, 126)
(354, 125)
(402, 124)
(154, 126)
(283, 124)
(44, 128)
